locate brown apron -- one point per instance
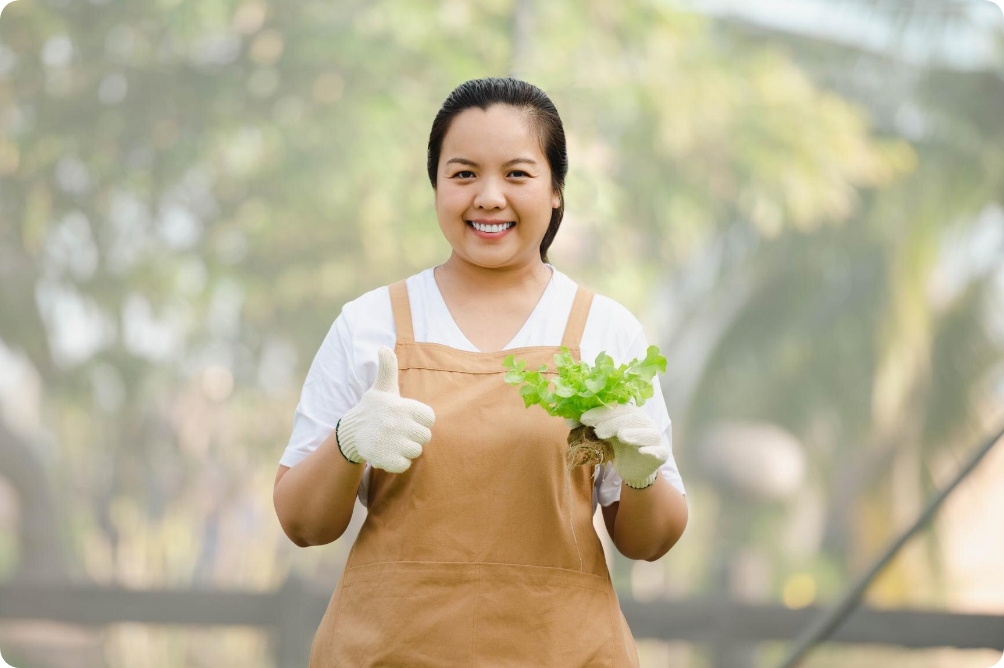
(469, 558)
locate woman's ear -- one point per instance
(555, 199)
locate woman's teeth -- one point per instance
(492, 228)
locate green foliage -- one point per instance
(579, 386)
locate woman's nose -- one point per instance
(490, 195)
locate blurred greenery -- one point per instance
(190, 191)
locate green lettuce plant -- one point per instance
(579, 386)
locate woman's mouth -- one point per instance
(493, 231)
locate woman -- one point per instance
(475, 551)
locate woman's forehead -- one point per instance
(497, 134)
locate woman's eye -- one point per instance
(518, 172)
(465, 174)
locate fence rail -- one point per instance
(293, 612)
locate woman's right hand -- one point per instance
(384, 428)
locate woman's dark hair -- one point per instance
(483, 93)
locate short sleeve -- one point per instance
(329, 391)
(608, 482)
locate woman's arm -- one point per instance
(646, 523)
(314, 499)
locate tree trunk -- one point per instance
(43, 552)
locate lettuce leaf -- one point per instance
(579, 386)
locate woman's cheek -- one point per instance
(452, 205)
(459, 203)
(537, 210)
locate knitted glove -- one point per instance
(385, 429)
(634, 438)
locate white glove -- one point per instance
(635, 439)
(384, 428)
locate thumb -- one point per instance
(386, 380)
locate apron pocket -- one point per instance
(415, 614)
(539, 616)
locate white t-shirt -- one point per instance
(346, 363)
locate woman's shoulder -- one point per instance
(371, 305)
(604, 309)
(610, 327)
(368, 324)
(375, 304)
(613, 326)
(609, 308)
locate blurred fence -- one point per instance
(292, 613)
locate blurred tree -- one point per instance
(191, 190)
(197, 187)
(874, 342)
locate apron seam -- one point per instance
(465, 371)
(474, 622)
(477, 564)
(417, 367)
(599, 590)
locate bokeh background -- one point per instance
(803, 202)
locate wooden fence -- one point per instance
(292, 613)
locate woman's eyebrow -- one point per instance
(516, 161)
(510, 163)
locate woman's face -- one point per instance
(492, 171)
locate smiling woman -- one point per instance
(464, 548)
(497, 157)
(483, 191)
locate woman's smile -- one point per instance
(490, 229)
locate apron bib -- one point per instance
(483, 553)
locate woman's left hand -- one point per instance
(635, 439)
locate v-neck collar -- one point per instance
(459, 334)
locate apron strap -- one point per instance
(402, 311)
(577, 318)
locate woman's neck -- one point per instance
(482, 280)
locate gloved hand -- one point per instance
(384, 428)
(634, 438)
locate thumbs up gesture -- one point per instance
(384, 428)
